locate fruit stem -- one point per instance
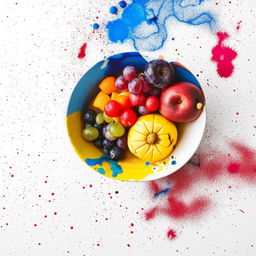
(151, 138)
(199, 105)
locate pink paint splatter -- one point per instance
(224, 56)
(82, 51)
(206, 166)
(171, 234)
(238, 25)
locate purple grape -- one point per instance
(122, 142)
(143, 110)
(155, 92)
(129, 73)
(106, 133)
(147, 87)
(135, 86)
(121, 83)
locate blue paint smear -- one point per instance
(147, 163)
(101, 170)
(162, 192)
(174, 162)
(144, 21)
(114, 166)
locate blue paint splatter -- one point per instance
(174, 162)
(101, 170)
(95, 26)
(162, 192)
(147, 163)
(113, 10)
(144, 21)
(114, 166)
(122, 4)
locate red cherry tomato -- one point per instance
(113, 108)
(128, 118)
(152, 103)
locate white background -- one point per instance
(38, 71)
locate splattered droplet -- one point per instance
(82, 51)
(171, 234)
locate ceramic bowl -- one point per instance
(130, 168)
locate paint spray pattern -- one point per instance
(223, 56)
(239, 163)
(144, 21)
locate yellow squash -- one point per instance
(152, 138)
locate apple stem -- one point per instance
(199, 105)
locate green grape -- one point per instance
(90, 133)
(107, 118)
(100, 118)
(117, 130)
(88, 125)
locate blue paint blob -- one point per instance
(113, 10)
(117, 31)
(174, 162)
(95, 26)
(147, 163)
(162, 192)
(145, 21)
(101, 170)
(122, 4)
(114, 166)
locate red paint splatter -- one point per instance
(71, 227)
(171, 234)
(238, 25)
(240, 162)
(224, 56)
(82, 52)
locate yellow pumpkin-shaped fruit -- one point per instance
(152, 138)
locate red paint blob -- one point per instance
(82, 52)
(171, 234)
(224, 56)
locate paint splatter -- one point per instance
(82, 51)
(239, 163)
(171, 234)
(144, 21)
(223, 56)
(114, 166)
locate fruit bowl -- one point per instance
(130, 168)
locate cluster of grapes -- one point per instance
(105, 134)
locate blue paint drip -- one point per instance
(114, 166)
(122, 4)
(162, 192)
(101, 170)
(113, 10)
(95, 26)
(144, 21)
(174, 162)
(147, 163)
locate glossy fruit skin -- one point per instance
(147, 87)
(115, 153)
(100, 118)
(159, 73)
(109, 136)
(152, 138)
(129, 73)
(137, 99)
(101, 100)
(89, 116)
(108, 144)
(113, 108)
(152, 103)
(90, 134)
(117, 130)
(143, 110)
(180, 102)
(107, 85)
(98, 143)
(122, 142)
(99, 126)
(124, 101)
(135, 86)
(128, 117)
(107, 119)
(121, 84)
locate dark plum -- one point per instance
(159, 73)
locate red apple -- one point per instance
(182, 102)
